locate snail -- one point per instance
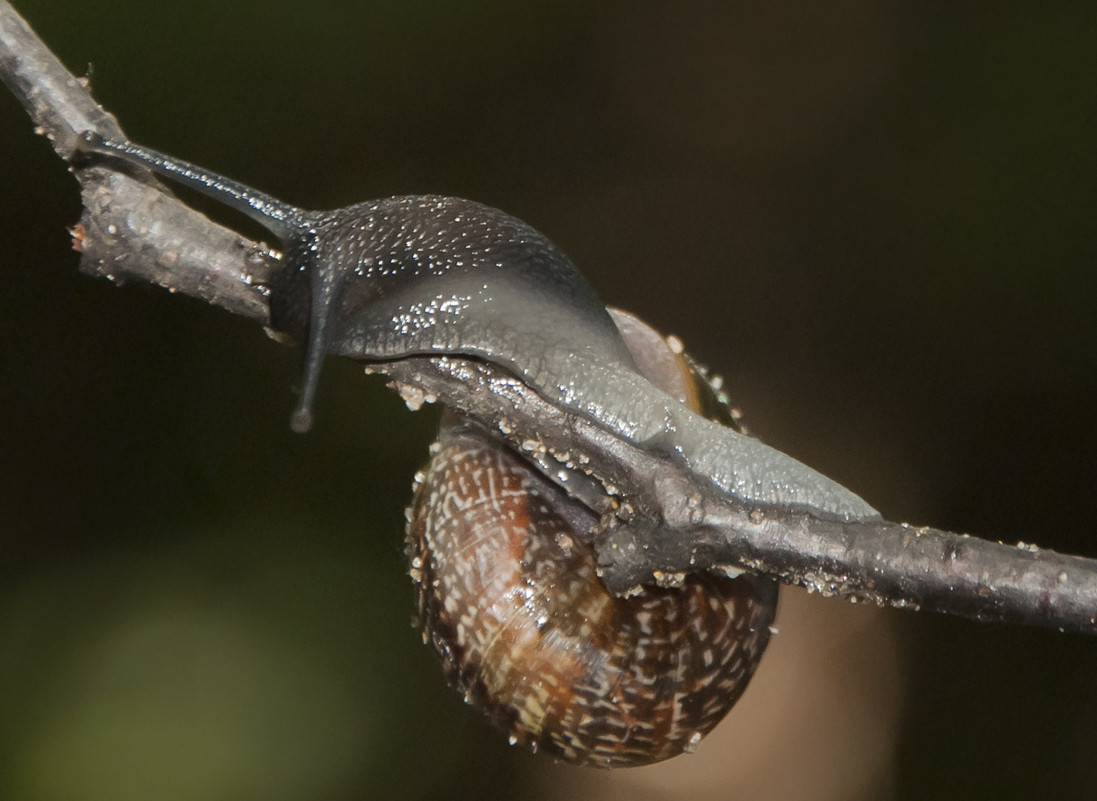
(501, 549)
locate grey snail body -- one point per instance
(502, 554)
(510, 599)
(432, 275)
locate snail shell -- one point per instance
(510, 599)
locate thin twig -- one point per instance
(667, 520)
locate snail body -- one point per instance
(510, 599)
(428, 275)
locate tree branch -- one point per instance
(666, 521)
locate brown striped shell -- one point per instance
(510, 599)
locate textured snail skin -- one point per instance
(510, 599)
(435, 275)
(429, 274)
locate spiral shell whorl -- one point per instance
(509, 597)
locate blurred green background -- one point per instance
(877, 220)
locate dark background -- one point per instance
(877, 221)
